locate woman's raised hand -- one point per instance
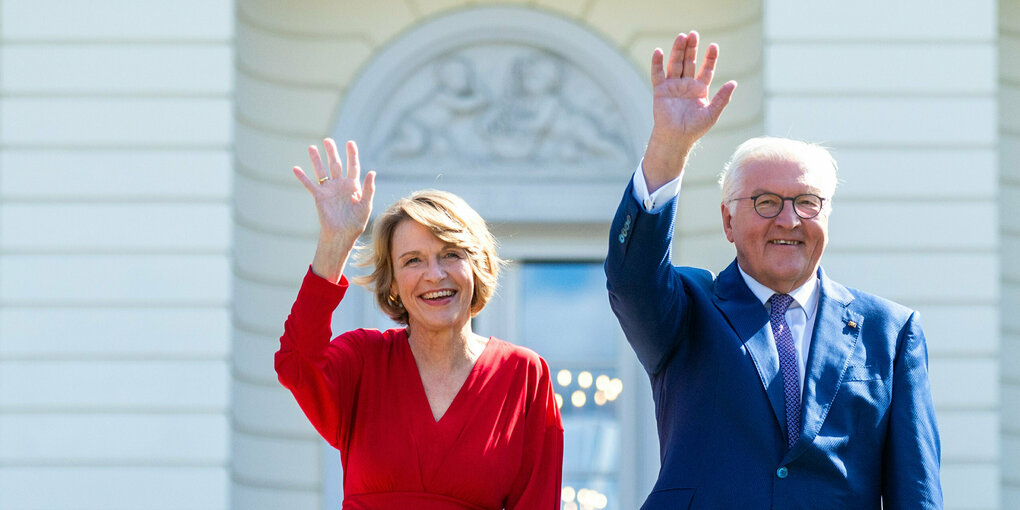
(343, 202)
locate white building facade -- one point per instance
(152, 237)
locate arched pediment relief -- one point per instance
(494, 108)
(493, 94)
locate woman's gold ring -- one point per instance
(324, 179)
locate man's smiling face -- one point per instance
(781, 253)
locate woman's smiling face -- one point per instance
(434, 280)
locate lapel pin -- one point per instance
(852, 324)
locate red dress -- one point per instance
(499, 445)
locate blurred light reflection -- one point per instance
(587, 499)
(584, 379)
(578, 398)
(567, 493)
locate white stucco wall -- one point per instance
(115, 168)
(1009, 198)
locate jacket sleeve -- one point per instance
(323, 375)
(645, 291)
(911, 460)
(537, 485)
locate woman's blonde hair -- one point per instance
(452, 221)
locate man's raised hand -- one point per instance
(681, 107)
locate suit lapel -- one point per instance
(749, 319)
(836, 332)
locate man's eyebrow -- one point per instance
(811, 191)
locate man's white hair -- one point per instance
(767, 148)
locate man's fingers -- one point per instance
(707, 71)
(658, 75)
(675, 66)
(335, 170)
(721, 99)
(353, 165)
(690, 54)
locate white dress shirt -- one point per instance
(800, 316)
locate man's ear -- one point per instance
(727, 221)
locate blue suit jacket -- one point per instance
(869, 433)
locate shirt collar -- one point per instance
(805, 296)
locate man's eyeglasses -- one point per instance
(769, 205)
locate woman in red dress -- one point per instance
(431, 416)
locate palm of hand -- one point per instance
(342, 206)
(682, 105)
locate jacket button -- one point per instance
(622, 238)
(782, 472)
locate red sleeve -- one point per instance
(322, 375)
(537, 486)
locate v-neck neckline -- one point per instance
(468, 382)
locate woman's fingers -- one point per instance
(353, 164)
(305, 181)
(368, 191)
(335, 169)
(317, 168)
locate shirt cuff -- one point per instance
(653, 202)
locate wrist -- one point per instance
(660, 168)
(338, 240)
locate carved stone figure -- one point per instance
(440, 125)
(547, 114)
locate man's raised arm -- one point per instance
(644, 289)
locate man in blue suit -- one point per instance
(774, 386)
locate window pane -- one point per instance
(566, 318)
(566, 312)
